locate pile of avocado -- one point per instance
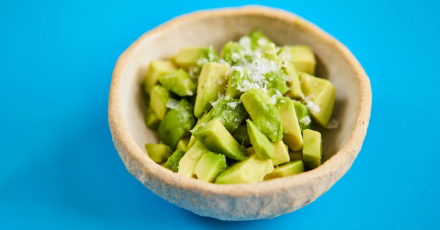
(242, 117)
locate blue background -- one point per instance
(60, 170)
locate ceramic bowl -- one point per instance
(266, 199)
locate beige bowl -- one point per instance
(245, 201)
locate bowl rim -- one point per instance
(333, 165)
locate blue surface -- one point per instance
(59, 169)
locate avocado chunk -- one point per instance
(151, 119)
(193, 58)
(176, 124)
(242, 136)
(212, 83)
(159, 153)
(291, 130)
(210, 166)
(292, 78)
(295, 156)
(179, 82)
(281, 155)
(200, 121)
(155, 71)
(289, 169)
(232, 53)
(230, 111)
(189, 161)
(217, 139)
(236, 76)
(303, 58)
(264, 149)
(312, 150)
(158, 102)
(183, 144)
(248, 171)
(258, 40)
(263, 113)
(319, 96)
(173, 161)
(275, 78)
(303, 115)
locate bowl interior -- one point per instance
(216, 31)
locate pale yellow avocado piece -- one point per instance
(156, 70)
(281, 154)
(321, 93)
(189, 56)
(291, 130)
(190, 159)
(212, 82)
(182, 145)
(303, 58)
(250, 170)
(312, 151)
(294, 84)
(289, 169)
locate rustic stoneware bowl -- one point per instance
(266, 199)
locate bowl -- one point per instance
(261, 200)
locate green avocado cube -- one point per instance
(242, 136)
(303, 58)
(295, 156)
(230, 111)
(183, 144)
(158, 102)
(276, 80)
(232, 53)
(159, 153)
(312, 150)
(151, 119)
(248, 171)
(173, 161)
(192, 59)
(320, 97)
(303, 115)
(263, 113)
(258, 39)
(293, 82)
(176, 124)
(217, 139)
(210, 166)
(281, 155)
(212, 82)
(155, 71)
(179, 82)
(263, 148)
(291, 130)
(189, 161)
(289, 169)
(236, 76)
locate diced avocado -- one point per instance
(192, 59)
(189, 161)
(258, 39)
(158, 102)
(192, 141)
(151, 119)
(291, 130)
(312, 150)
(293, 82)
(320, 94)
(250, 150)
(303, 58)
(212, 82)
(263, 113)
(242, 136)
(217, 139)
(232, 53)
(155, 71)
(159, 153)
(183, 144)
(275, 79)
(176, 124)
(173, 161)
(249, 171)
(263, 148)
(179, 82)
(230, 111)
(289, 169)
(236, 76)
(281, 154)
(295, 156)
(200, 121)
(210, 166)
(303, 115)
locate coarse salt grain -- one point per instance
(172, 104)
(305, 120)
(233, 104)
